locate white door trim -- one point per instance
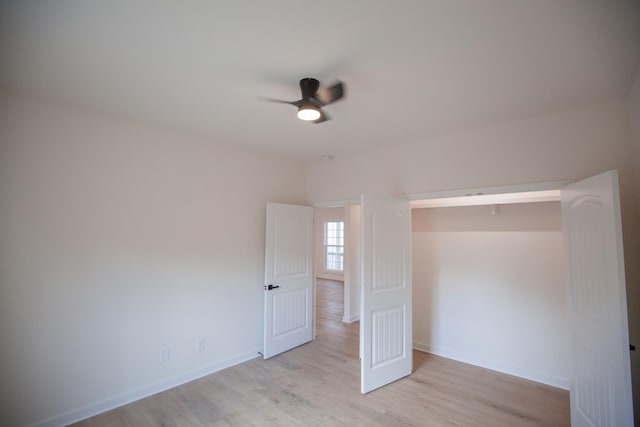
(502, 189)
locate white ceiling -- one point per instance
(414, 69)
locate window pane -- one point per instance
(334, 261)
(334, 245)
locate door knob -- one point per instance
(270, 287)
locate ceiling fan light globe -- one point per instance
(308, 114)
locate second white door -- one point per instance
(385, 321)
(597, 303)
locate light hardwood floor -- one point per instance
(318, 384)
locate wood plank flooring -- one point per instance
(318, 384)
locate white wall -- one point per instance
(320, 216)
(489, 289)
(117, 240)
(634, 108)
(566, 146)
(632, 244)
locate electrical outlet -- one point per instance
(165, 355)
(201, 344)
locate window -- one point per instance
(334, 246)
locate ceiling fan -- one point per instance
(313, 99)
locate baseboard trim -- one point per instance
(351, 319)
(125, 398)
(551, 380)
(329, 276)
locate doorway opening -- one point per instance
(488, 288)
(337, 302)
(349, 274)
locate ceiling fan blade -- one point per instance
(328, 95)
(280, 101)
(323, 117)
(316, 102)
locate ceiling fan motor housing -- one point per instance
(309, 87)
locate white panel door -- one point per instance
(601, 379)
(288, 298)
(385, 321)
